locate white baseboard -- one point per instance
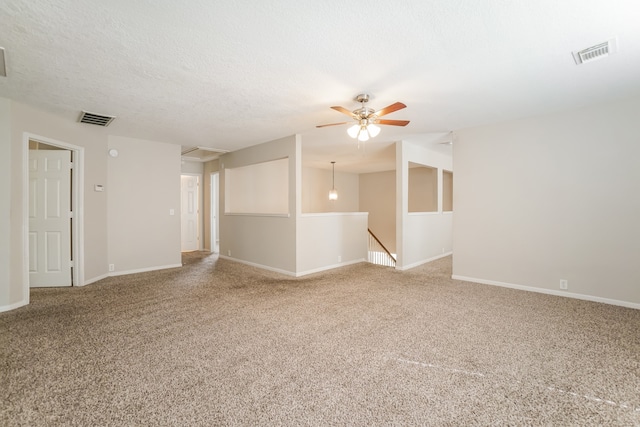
(94, 279)
(13, 306)
(253, 264)
(329, 267)
(143, 270)
(416, 264)
(549, 291)
(291, 273)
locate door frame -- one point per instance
(77, 207)
(214, 220)
(200, 220)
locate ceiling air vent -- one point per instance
(201, 154)
(95, 119)
(598, 51)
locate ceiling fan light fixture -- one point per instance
(363, 135)
(368, 119)
(353, 131)
(373, 130)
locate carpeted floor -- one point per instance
(220, 343)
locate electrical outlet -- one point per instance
(564, 284)
(229, 252)
(112, 267)
(339, 258)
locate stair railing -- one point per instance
(378, 253)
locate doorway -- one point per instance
(53, 174)
(50, 216)
(190, 212)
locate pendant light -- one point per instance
(333, 194)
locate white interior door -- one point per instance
(190, 212)
(49, 218)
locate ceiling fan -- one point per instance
(367, 118)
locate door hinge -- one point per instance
(71, 165)
(70, 214)
(72, 263)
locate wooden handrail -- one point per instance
(381, 245)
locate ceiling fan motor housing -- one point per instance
(363, 97)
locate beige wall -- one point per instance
(316, 184)
(423, 188)
(420, 237)
(329, 240)
(142, 190)
(148, 181)
(11, 292)
(447, 191)
(258, 188)
(552, 197)
(188, 167)
(268, 241)
(27, 120)
(378, 197)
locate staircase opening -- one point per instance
(377, 253)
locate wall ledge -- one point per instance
(271, 215)
(591, 298)
(314, 214)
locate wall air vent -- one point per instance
(95, 119)
(596, 52)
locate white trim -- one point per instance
(330, 267)
(143, 270)
(290, 273)
(310, 215)
(14, 305)
(549, 291)
(77, 195)
(424, 213)
(282, 215)
(253, 264)
(416, 264)
(95, 279)
(25, 218)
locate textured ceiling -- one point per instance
(229, 74)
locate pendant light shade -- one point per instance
(333, 194)
(374, 130)
(353, 131)
(363, 135)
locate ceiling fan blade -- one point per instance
(390, 109)
(343, 110)
(393, 122)
(331, 124)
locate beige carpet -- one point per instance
(220, 343)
